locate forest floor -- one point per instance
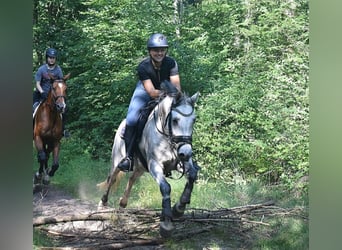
(65, 222)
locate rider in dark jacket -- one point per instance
(152, 71)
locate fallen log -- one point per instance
(39, 221)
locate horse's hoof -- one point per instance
(37, 188)
(37, 178)
(51, 172)
(123, 202)
(166, 228)
(102, 205)
(46, 180)
(178, 210)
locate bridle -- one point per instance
(175, 141)
(56, 97)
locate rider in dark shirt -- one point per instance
(152, 71)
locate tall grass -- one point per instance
(79, 174)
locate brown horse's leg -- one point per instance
(132, 179)
(41, 154)
(55, 164)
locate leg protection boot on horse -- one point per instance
(126, 164)
(53, 169)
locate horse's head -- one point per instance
(181, 122)
(176, 120)
(58, 93)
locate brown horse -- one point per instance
(47, 131)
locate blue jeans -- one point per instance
(138, 101)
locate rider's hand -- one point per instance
(44, 95)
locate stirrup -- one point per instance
(126, 164)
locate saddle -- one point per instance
(35, 109)
(143, 116)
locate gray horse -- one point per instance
(165, 145)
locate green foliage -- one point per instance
(248, 59)
(257, 123)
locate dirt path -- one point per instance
(51, 202)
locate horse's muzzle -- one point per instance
(60, 107)
(184, 152)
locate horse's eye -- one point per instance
(175, 121)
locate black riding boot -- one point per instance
(36, 99)
(126, 164)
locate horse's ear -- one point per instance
(194, 98)
(66, 77)
(170, 89)
(166, 106)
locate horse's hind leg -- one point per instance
(111, 179)
(179, 208)
(132, 179)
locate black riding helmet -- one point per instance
(50, 52)
(157, 41)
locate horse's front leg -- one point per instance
(166, 225)
(42, 159)
(55, 159)
(191, 170)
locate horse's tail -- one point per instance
(103, 186)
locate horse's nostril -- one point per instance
(60, 106)
(185, 152)
(184, 157)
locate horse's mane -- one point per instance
(168, 89)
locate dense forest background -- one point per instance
(248, 59)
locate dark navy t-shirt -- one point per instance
(146, 70)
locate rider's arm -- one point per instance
(38, 87)
(148, 85)
(175, 80)
(174, 76)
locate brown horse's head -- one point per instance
(58, 93)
